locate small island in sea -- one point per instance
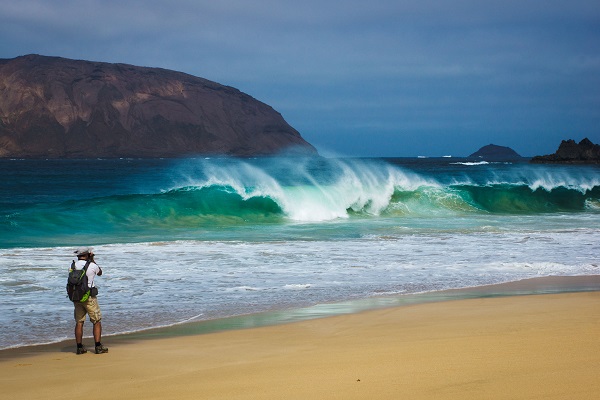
(571, 152)
(493, 152)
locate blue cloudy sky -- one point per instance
(357, 78)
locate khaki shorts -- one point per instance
(89, 307)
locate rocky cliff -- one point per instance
(53, 107)
(570, 152)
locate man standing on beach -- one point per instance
(90, 306)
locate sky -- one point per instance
(376, 78)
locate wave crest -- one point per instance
(222, 193)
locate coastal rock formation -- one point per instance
(54, 107)
(570, 152)
(496, 153)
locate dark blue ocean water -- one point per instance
(207, 238)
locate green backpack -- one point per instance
(77, 283)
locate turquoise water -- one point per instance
(200, 239)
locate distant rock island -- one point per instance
(493, 152)
(54, 107)
(570, 152)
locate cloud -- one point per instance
(467, 67)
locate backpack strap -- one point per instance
(84, 270)
(87, 264)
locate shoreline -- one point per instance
(529, 286)
(493, 347)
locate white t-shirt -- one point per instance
(92, 271)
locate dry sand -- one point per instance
(522, 347)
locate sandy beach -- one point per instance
(518, 347)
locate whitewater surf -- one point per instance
(232, 236)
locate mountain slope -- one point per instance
(60, 108)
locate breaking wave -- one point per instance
(208, 194)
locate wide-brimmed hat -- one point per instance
(81, 251)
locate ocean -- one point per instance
(200, 239)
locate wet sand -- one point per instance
(516, 347)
